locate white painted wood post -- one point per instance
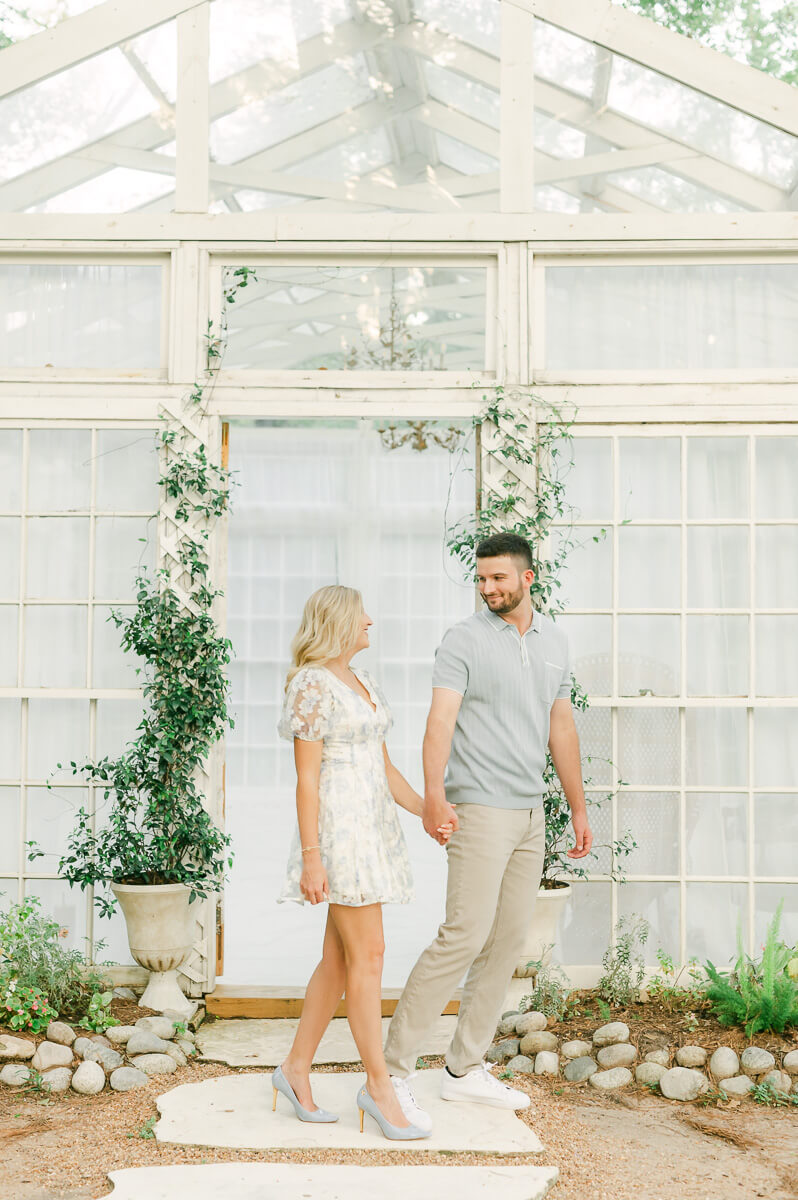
(517, 155)
(193, 111)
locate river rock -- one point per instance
(494, 1053)
(649, 1072)
(99, 1039)
(89, 1079)
(49, 1055)
(779, 1080)
(108, 1059)
(125, 1079)
(658, 1056)
(119, 1035)
(611, 1033)
(59, 1031)
(539, 1039)
(619, 1054)
(547, 1063)
(81, 1045)
(14, 1047)
(577, 1070)
(724, 1063)
(188, 1036)
(575, 1049)
(57, 1080)
(607, 1081)
(162, 1027)
(691, 1056)
(125, 993)
(507, 1024)
(681, 1083)
(738, 1085)
(141, 1041)
(530, 1022)
(790, 1062)
(756, 1061)
(15, 1074)
(521, 1065)
(155, 1064)
(189, 1049)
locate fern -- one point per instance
(761, 997)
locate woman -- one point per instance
(348, 850)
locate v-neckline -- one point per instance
(371, 703)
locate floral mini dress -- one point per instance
(363, 848)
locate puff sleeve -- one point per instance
(308, 707)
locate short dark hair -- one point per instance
(507, 543)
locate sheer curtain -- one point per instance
(321, 503)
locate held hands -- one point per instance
(583, 836)
(313, 883)
(440, 819)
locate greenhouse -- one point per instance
(349, 226)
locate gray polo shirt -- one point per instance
(508, 684)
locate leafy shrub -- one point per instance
(33, 960)
(550, 992)
(623, 965)
(759, 995)
(673, 995)
(28, 1007)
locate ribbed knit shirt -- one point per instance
(508, 684)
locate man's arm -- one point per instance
(437, 745)
(564, 750)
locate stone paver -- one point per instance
(281, 1181)
(236, 1111)
(265, 1043)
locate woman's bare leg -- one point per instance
(324, 991)
(360, 931)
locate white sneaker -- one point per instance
(480, 1087)
(407, 1102)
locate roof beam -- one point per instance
(80, 37)
(613, 160)
(682, 58)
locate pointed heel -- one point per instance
(362, 1119)
(274, 1099)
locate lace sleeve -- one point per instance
(308, 706)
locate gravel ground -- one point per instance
(625, 1146)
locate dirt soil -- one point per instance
(628, 1145)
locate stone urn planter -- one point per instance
(542, 930)
(160, 934)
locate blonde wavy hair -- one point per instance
(330, 625)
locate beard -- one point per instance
(507, 603)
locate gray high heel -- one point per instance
(281, 1084)
(394, 1133)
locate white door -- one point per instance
(323, 502)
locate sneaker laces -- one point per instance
(404, 1093)
(495, 1083)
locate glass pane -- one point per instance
(717, 477)
(649, 566)
(89, 315)
(58, 732)
(113, 667)
(653, 819)
(58, 558)
(777, 566)
(127, 470)
(672, 317)
(648, 746)
(64, 904)
(775, 747)
(775, 834)
(51, 819)
(9, 641)
(59, 474)
(586, 578)
(717, 656)
(648, 656)
(776, 477)
(595, 741)
(659, 904)
(717, 833)
(767, 897)
(360, 318)
(717, 747)
(714, 910)
(776, 656)
(120, 554)
(717, 567)
(650, 474)
(9, 556)
(55, 645)
(590, 645)
(10, 470)
(585, 925)
(9, 842)
(588, 484)
(117, 721)
(9, 739)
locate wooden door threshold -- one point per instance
(241, 1000)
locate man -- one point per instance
(501, 692)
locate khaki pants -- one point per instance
(495, 862)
